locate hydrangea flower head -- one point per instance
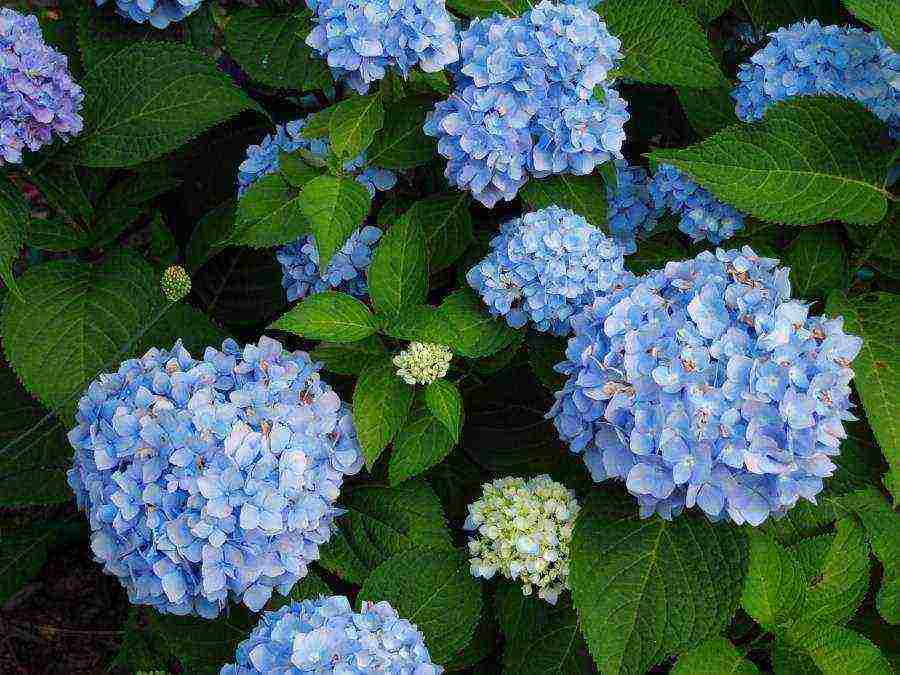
(524, 101)
(423, 363)
(327, 636)
(630, 211)
(702, 215)
(176, 283)
(545, 267)
(523, 529)
(807, 59)
(211, 479)
(159, 13)
(38, 98)
(707, 385)
(361, 39)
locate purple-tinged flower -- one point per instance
(158, 13)
(630, 209)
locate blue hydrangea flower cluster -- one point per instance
(159, 13)
(38, 97)
(327, 636)
(631, 212)
(706, 384)
(300, 265)
(211, 479)
(300, 259)
(361, 39)
(702, 215)
(545, 267)
(524, 103)
(807, 58)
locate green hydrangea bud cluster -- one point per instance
(523, 530)
(423, 362)
(176, 283)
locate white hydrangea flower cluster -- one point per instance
(423, 363)
(523, 530)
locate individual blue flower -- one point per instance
(630, 211)
(38, 98)
(532, 97)
(361, 39)
(214, 479)
(706, 385)
(545, 267)
(326, 636)
(300, 265)
(159, 13)
(807, 59)
(702, 216)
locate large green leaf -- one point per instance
(488, 7)
(13, 219)
(718, 656)
(837, 651)
(269, 213)
(421, 443)
(818, 262)
(74, 321)
(334, 207)
(663, 43)
(148, 99)
(102, 34)
(398, 277)
(447, 225)
(773, 592)
(468, 327)
(401, 143)
(647, 589)
(708, 110)
(24, 552)
(329, 315)
(586, 195)
(445, 403)
(353, 124)
(883, 15)
(708, 10)
(381, 403)
(270, 49)
(349, 358)
(785, 168)
(434, 590)
(876, 319)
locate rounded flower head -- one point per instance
(211, 479)
(706, 384)
(524, 102)
(361, 39)
(702, 215)
(630, 209)
(523, 529)
(176, 283)
(38, 98)
(808, 59)
(545, 267)
(327, 636)
(423, 363)
(158, 13)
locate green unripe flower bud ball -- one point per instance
(176, 283)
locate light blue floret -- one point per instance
(214, 479)
(361, 39)
(545, 267)
(327, 636)
(706, 385)
(808, 59)
(159, 13)
(630, 209)
(38, 98)
(702, 216)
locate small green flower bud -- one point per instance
(423, 363)
(176, 283)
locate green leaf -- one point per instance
(708, 110)
(445, 403)
(838, 651)
(773, 592)
(103, 34)
(271, 212)
(398, 277)
(13, 219)
(295, 170)
(421, 324)
(876, 319)
(447, 225)
(785, 167)
(270, 48)
(882, 15)
(647, 589)
(401, 143)
(329, 315)
(213, 228)
(349, 358)
(353, 124)
(585, 195)
(708, 10)
(470, 329)
(663, 43)
(76, 321)
(717, 655)
(382, 521)
(381, 403)
(434, 590)
(817, 261)
(544, 352)
(147, 100)
(334, 208)
(23, 553)
(422, 442)
(488, 7)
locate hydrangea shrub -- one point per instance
(355, 336)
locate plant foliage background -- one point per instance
(88, 227)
